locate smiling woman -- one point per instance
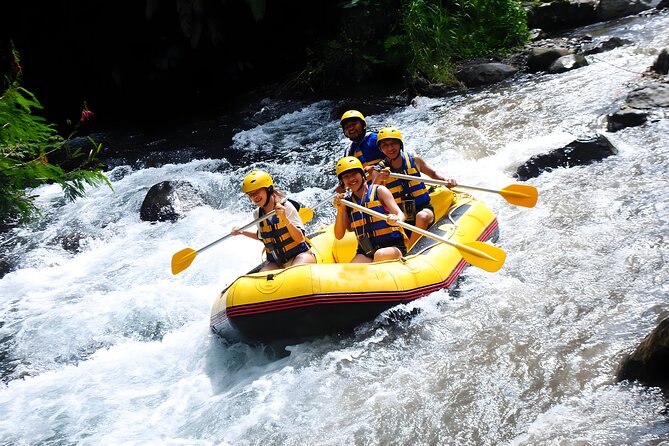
(283, 232)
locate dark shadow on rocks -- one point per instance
(661, 65)
(604, 46)
(625, 117)
(639, 105)
(5, 266)
(649, 363)
(576, 153)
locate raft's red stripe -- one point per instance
(346, 298)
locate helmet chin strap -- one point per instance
(269, 195)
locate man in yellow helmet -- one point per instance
(283, 233)
(363, 144)
(377, 239)
(411, 196)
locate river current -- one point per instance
(103, 345)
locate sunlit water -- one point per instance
(105, 346)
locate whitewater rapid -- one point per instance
(103, 345)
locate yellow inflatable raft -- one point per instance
(334, 296)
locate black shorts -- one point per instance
(427, 205)
(399, 244)
(271, 258)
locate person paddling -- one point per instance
(283, 233)
(377, 239)
(411, 196)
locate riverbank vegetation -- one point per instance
(440, 33)
(29, 146)
(405, 39)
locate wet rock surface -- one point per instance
(169, 201)
(649, 363)
(576, 153)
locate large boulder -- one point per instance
(639, 105)
(649, 363)
(485, 73)
(567, 63)
(625, 117)
(541, 59)
(169, 201)
(649, 96)
(576, 153)
(605, 45)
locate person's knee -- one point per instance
(424, 218)
(269, 266)
(387, 254)
(306, 257)
(361, 258)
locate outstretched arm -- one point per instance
(430, 172)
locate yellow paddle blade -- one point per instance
(487, 257)
(182, 260)
(520, 195)
(306, 215)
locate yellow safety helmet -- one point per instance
(348, 163)
(352, 114)
(389, 133)
(255, 180)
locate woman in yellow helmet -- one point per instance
(283, 233)
(377, 239)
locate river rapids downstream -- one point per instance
(101, 345)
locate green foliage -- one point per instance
(435, 33)
(26, 142)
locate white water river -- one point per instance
(106, 347)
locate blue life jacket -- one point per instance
(405, 189)
(378, 231)
(277, 239)
(367, 150)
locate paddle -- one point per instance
(487, 257)
(518, 194)
(182, 259)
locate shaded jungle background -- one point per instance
(157, 61)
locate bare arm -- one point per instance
(250, 234)
(381, 176)
(342, 223)
(388, 201)
(430, 172)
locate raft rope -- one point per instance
(616, 66)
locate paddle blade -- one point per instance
(520, 195)
(482, 255)
(182, 260)
(306, 215)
